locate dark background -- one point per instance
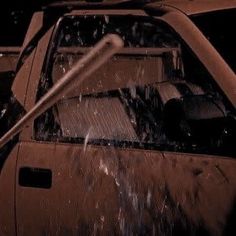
(15, 16)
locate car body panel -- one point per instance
(116, 191)
(96, 189)
(9, 58)
(7, 194)
(194, 7)
(222, 74)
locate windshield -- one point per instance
(217, 27)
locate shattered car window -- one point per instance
(153, 94)
(136, 32)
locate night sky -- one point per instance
(15, 17)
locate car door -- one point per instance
(121, 153)
(7, 199)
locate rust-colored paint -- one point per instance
(8, 58)
(107, 190)
(7, 194)
(195, 6)
(115, 191)
(207, 54)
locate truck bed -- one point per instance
(8, 58)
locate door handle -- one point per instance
(35, 177)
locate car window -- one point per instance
(153, 94)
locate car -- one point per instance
(121, 121)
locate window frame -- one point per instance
(47, 67)
(125, 144)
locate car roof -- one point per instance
(99, 4)
(192, 7)
(189, 7)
